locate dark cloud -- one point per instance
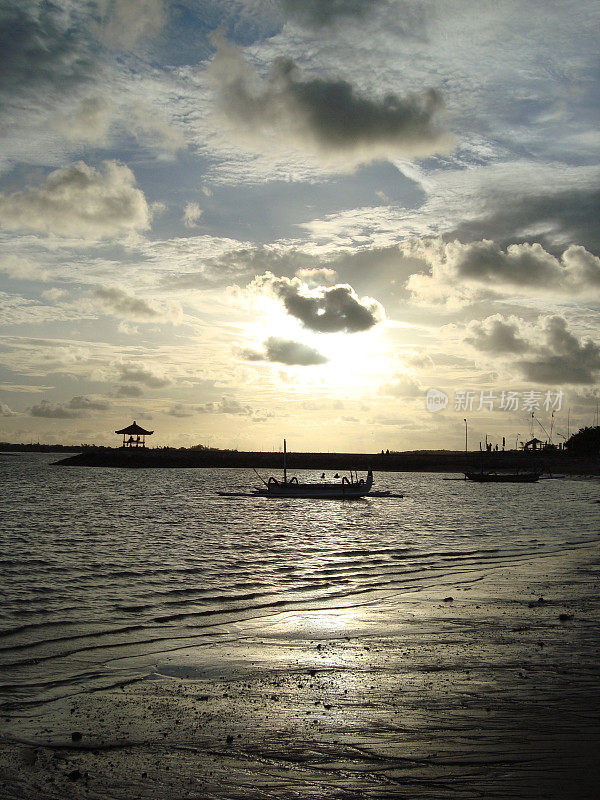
(79, 201)
(520, 265)
(328, 117)
(53, 411)
(86, 403)
(552, 219)
(496, 335)
(125, 304)
(325, 310)
(76, 407)
(284, 351)
(551, 354)
(316, 13)
(44, 48)
(563, 359)
(335, 309)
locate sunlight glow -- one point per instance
(357, 363)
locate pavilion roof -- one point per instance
(134, 428)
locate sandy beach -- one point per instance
(489, 690)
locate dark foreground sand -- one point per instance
(493, 694)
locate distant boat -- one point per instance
(503, 477)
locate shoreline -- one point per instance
(553, 462)
(485, 685)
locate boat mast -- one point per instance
(284, 462)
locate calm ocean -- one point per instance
(104, 571)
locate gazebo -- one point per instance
(137, 435)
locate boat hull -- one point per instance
(334, 492)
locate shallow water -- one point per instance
(107, 570)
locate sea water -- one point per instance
(104, 571)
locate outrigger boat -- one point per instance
(502, 477)
(347, 489)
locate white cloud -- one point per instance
(227, 405)
(88, 122)
(124, 22)
(149, 126)
(5, 411)
(191, 214)
(119, 301)
(79, 201)
(22, 268)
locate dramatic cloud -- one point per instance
(79, 201)
(118, 301)
(563, 359)
(326, 310)
(458, 271)
(76, 407)
(553, 218)
(124, 22)
(284, 351)
(191, 214)
(328, 118)
(551, 354)
(137, 373)
(496, 335)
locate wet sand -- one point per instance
(487, 689)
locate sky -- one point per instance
(352, 223)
